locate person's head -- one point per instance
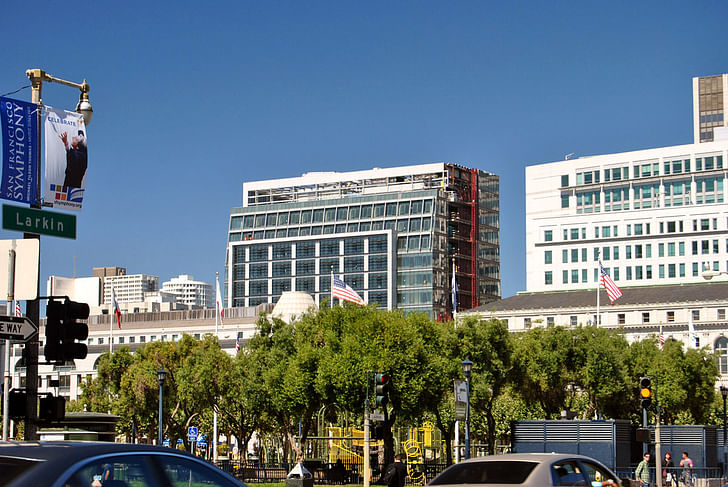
(668, 455)
(78, 142)
(646, 456)
(398, 457)
(684, 454)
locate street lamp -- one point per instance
(161, 374)
(467, 367)
(710, 274)
(724, 393)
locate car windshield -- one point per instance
(496, 472)
(13, 467)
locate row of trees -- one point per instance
(288, 372)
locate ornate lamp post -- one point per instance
(161, 374)
(467, 368)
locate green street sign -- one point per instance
(42, 222)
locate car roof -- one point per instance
(50, 450)
(533, 457)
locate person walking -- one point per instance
(686, 475)
(668, 471)
(642, 473)
(396, 473)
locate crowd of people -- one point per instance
(671, 475)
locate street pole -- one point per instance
(467, 367)
(367, 466)
(160, 377)
(8, 344)
(32, 309)
(724, 393)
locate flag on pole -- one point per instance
(662, 339)
(117, 310)
(604, 280)
(218, 299)
(454, 290)
(693, 341)
(17, 309)
(341, 290)
(237, 345)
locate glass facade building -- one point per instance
(394, 235)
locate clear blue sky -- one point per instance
(191, 99)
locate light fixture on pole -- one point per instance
(161, 374)
(724, 393)
(467, 368)
(709, 274)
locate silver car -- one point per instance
(530, 470)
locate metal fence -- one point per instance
(339, 473)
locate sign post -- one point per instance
(17, 328)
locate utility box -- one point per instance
(608, 441)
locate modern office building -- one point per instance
(191, 293)
(710, 99)
(654, 216)
(129, 288)
(394, 234)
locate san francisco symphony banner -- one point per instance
(20, 151)
(66, 159)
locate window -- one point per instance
(696, 314)
(549, 321)
(527, 322)
(548, 278)
(620, 318)
(573, 320)
(721, 313)
(721, 354)
(547, 257)
(645, 317)
(670, 316)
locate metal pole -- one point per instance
(724, 392)
(159, 436)
(214, 406)
(367, 466)
(8, 344)
(467, 418)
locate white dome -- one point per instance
(292, 305)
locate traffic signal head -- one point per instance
(381, 389)
(645, 392)
(63, 329)
(54, 318)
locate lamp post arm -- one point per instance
(38, 76)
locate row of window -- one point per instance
(638, 272)
(677, 193)
(370, 297)
(607, 231)
(644, 170)
(326, 215)
(637, 251)
(402, 225)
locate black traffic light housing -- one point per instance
(63, 329)
(645, 392)
(52, 408)
(381, 389)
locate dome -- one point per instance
(292, 305)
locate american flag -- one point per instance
(604, 280)
(237, 345)
(17, 309)
(662, 339)
(341, 290)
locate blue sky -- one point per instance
(191, 99)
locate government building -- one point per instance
(394, 235)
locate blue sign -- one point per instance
(165, 442)
(19, 123)
(192, 433)
(179, 441)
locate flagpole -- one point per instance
(111, 322)
(599, 286)
(218, 304)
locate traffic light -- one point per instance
(52, 408)
(54, 318)
(72, 330)
(63, 329)
(645, 392)
(381, 389)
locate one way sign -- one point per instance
(18, 328)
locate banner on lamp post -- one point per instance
(461, 398)
(66, 159)
(20, 150)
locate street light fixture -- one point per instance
(161, 374)
(467, 368)
(724, 393)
